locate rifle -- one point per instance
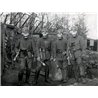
(6, 18)
(41, 56)
(68, 59)
(42, 63)
(11, 20)
(1, 14)
(37, 26)
(19, 19)
(25, 21)
(16, 55)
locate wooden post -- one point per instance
(0, 54)
(97, 45)
(3, 52)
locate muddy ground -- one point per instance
(10, 78)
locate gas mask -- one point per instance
(74, 33)
(59, 36)
(25, 37)
(45, 35)
(25, 33)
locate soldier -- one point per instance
(43, 56)
(60, 54)
(77, 49)
(25, 49)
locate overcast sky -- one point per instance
(92, 26)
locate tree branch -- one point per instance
(19, 20)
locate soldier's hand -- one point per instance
(32, 55)
(57, 66)
(64, 53)
(16, 56)
(14, 59)
(68, 58)
(38, 58)
(51, 58)
(54, 59)
(44, 64)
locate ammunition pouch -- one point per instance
(44, 50)
(24, 52)
(44, 54)
(59, 51)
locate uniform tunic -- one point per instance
(59, 47)
(77, 46)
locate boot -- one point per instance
(47, 80)
(27, 81)
(47, 74)
(27, 76)
(64, 81)
(35, 82)
(64, 75)
(83, 80)
(20, 77)
(36, 77)
(20, 83)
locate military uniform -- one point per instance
(59, 53)
(26, 50)
(77, 47)
(44, 52)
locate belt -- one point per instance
(59, 51)
(25, 52)
(44, 50)
(75, 50)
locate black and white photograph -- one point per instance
(49, 49)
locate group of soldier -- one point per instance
(62, 51)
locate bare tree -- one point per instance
(6, 17)
(19, 21)
(1, 14)
(80, 26)
(13, 17)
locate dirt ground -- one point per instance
(10, 78)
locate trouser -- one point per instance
(24, 63)
(78, 68)
(70, 71)
(63, 66)
(39, 67)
